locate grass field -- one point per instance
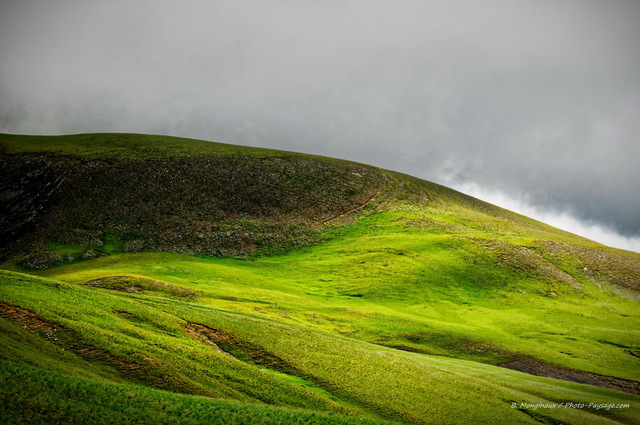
(180, 347)
(402, 308)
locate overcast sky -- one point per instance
(533, 105)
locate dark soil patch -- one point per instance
(538, 368)
(137, 284)
(147, 371)
(32, 323)
(242, 350)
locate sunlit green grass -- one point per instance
(35, 396)
(362, 379)
(430, 291)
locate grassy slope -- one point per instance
(337, 374)
(401, 287)
(95, 402)
(455, 277)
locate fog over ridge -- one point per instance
(526, 99)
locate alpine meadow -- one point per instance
(157, 280)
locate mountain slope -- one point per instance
(130, 193)
(211, 200)
(301, 282)
(188, 348)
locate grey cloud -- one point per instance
(525, 97)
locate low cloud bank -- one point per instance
(560, 219)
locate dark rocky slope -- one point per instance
(208, 203)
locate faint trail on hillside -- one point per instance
(354, 209)
(389, 185)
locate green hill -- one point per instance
(150, 279)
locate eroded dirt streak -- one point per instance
(148, 370)
(538, 368)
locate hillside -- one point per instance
(155, 279)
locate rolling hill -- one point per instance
(152, 279)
